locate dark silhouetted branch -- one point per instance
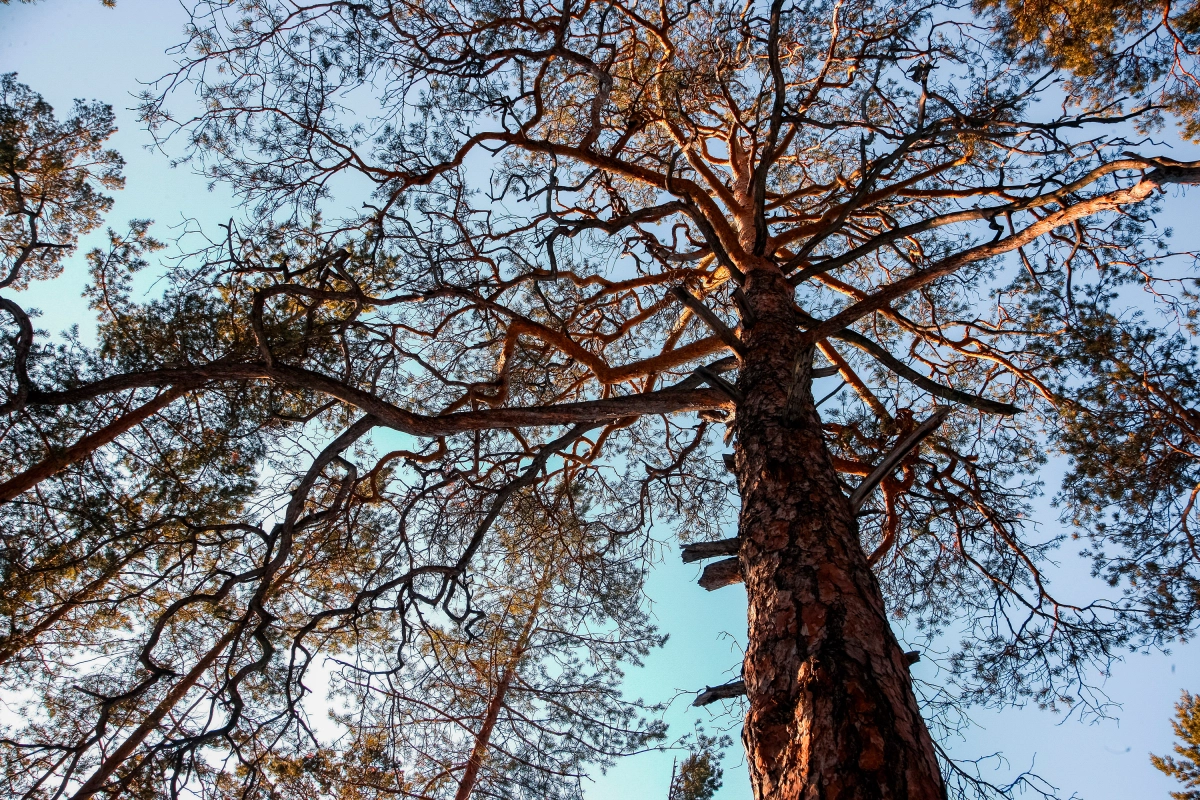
(710, 319)
(892, 459)
(720, 384)
(712, 694)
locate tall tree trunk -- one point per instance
(118, 756)
(832, 711)
(483, 738)
(18, 640)
(57, 461)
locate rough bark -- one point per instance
(831, 713)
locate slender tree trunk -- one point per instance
(832, 712)
(18, 640)
(58, 461)
(483, 737)
(112, 762)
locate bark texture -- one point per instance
(832, 712)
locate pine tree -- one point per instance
(610, 261)
(1185, 769)
(698, 776)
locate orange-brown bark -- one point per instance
(832, 711)
(88, 444)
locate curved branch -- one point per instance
(668, 401)
(1187, 174)
(22, 343)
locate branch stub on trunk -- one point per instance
(701, 550)
(721, 573)
(726, 691)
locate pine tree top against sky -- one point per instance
(519, 292)
(1185, 768)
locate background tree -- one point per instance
(522, 707)
(1140, 52)
(146, 572)
(578, 216)
(1186, 769)
(698, 777)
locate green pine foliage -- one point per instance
(1113, 50)
(698, 777)
(1185, 768)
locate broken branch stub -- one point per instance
(701, 550)
(721, 573)
(712, 694)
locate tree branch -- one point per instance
(58, 461)
(701, 550)
(1184, 173)
(662, 402)
(710, 319)
(725, 691)
(892, 459)
(721, 573)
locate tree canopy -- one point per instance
(1186, 768)
(834, 275)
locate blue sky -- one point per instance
(76, 48)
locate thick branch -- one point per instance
(892, 459)
(721, 573)
(701, 550)
(697, 378)
(710, 319)
(725, 387)
(1188, 173)
(955, 217)
(88, 444)
(119, 755)
(725, 691)
(22, 342)
(663, 402)
(881, 354)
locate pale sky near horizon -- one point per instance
(65, 49)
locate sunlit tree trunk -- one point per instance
(19, 640)
(56, 461)
(483, 737)
(832, 711)
(114, 759)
